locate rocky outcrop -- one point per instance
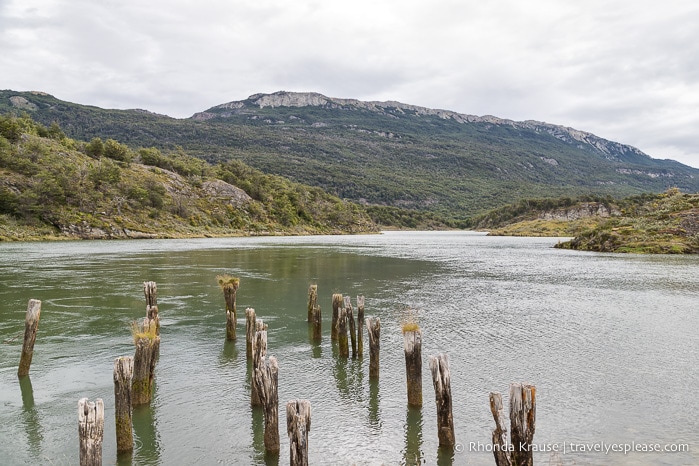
(222, 191)
(22, 103)
(582, 210)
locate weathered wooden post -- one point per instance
(337, 304)
(259, 350)
(123, 377)
(360, 326)
(147, 349)
(441, 378)
(91, 431)
(31, 325)
(312, 300)
(250, 328)
(267, 378)
(342, 342)
(500, 452)
(412, 345)
(298, 424)
(229, 285)
(150, 291)
(349, 315)
(316, 321)
(373, 326)
(522, 423)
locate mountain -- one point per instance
(384, 154)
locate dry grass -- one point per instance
(144, 330)
(408, 320)
(409, 327)
(226, 281)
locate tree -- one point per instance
(95, 148)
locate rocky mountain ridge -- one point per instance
(610, 150)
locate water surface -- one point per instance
(610, 341)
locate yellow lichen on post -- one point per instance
(230, 286)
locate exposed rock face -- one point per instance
(586, 209)
(605, 148)
(21, 102)
(85, 231)
(219, 189)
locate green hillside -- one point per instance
(384, 155)
(663, 223)
(53, 186)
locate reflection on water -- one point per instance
(30, 417)
(445, 456)
(374, 404)
(412, 453)
(229, 352)
(316, 349)
(258, 433)
(148, 448)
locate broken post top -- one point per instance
(150, 291)
(33, 311)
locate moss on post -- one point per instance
(123, 378)
(147, 349)
(342, 342)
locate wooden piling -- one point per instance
(441, 378)
(522, 423)
(230, 286)
(316, 321)
(342, 342)
(298, 424)
(312, 300)
(123, 377)
(500, 451)
(349, 315)
(259, 350)
(412, 345)
(337, 304)
(150, 290)
(266, 376)
(91, 431)
(360, 326)
(250, 328)
(373, 326)
(147, 351)
(31, 326)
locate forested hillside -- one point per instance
(387, 155)
(55, 186)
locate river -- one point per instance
(610, 342)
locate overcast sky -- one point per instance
(625, 70)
